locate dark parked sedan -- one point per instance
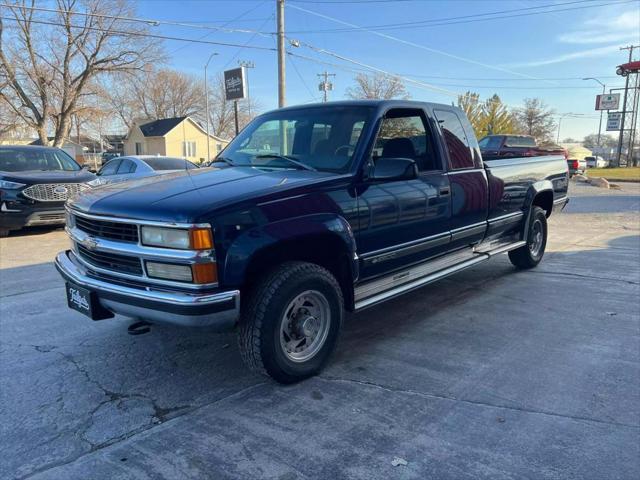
(35, 182)
(120, 169)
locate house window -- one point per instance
(138, 148)
(188, 149)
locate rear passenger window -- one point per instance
(110, 168)
(403, 134)
(127, 166)
(456, 140)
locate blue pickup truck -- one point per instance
(308, 212)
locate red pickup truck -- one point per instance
(500, 146)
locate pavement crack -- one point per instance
(473, 402)
(159, 413)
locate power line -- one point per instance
(413, 44)
(496, 15)
(149, 21)
(139, 34)
(246, 12)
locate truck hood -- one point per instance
(187, 195)
(48, 176)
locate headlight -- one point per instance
(11, 185)
(199, 273)
(193, 239)
(181, 273)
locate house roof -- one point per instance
(38, 142)
(159, 128)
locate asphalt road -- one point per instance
(491, 373)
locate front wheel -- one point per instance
(530, 255)
(291, 321)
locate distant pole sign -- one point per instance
(613, 121)
(609, 101)
(234, 84)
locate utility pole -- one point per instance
(206, 101)
(325, 85)
(246, 64)
(281, 54)
(624, 112)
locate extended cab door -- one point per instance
(469, 188)
(403, 221)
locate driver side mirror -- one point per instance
(388, 169)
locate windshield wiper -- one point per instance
(289, 159)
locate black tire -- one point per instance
(4, 232)
(263, 315)
(530, 255)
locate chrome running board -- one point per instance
(395, 284)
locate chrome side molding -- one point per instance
(395, 284)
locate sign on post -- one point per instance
(234, 84)
(609, 101)
(613, 121)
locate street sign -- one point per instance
(234, 84)
(609, 101)
(613, 121)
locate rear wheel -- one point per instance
(530, 255)
(290, 323)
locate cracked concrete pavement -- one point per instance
(491, 373)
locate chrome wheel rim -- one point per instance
(537, 238)
(305, 326)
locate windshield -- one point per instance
(517, 141)
(38, 159)
(167, 163)
(319, 138)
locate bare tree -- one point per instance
(50, 61)
(154, 94)
(221, 115)
(377, 86)
(536, 119)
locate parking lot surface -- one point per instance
(491, 373)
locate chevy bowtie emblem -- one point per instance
(89, 242)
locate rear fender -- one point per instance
(542, 187)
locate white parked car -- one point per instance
(596, 162)
(133, 167)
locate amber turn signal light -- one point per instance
(205, 272)
(201, 238)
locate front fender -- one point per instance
(303, 228)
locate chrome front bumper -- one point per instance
(219, 310)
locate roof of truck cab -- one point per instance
(368, 103)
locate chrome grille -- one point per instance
(111, 261)
(53, 192)
(125, 232)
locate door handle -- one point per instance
(444, 191)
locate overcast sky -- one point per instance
(450, 47)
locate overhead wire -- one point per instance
(469, 18)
